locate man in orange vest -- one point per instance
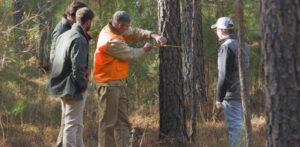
(111, 63)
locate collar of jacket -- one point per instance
(113, 29)
(79, 29)
(65, 21)
(230, 36)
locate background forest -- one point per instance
(29, 117)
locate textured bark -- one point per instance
(172, 113)
(194, 84)
(187, 49)
(244, 74)
(18, 12)
(280, 48)
(197, 46)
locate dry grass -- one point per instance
(209, 134)
(145, 124)
(41, 120)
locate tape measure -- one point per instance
(171, 46)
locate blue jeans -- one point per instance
(234, 116)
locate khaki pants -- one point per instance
(62, 125)
(114, 125)
(71, 130)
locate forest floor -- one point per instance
(37, 123)
(146, 128)
(209, 133)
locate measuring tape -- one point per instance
(170, 46)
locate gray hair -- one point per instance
(121, 16)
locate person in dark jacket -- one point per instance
(68, 19)
(68, 78)
(228, 97)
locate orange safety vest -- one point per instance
(107, 67)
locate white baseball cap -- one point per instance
(223, 23)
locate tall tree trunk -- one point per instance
(188, 83)
(198, 64)
(194, 78)
(244, 73)
(172, 112)
(18, 12)
(197, 45)
(280, 44)
(45, 22)
(187, 49)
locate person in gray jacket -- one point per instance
(228, 97)
(67, 20)
(68, 78)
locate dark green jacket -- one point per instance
(63, 26)
(68, 75)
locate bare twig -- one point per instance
(141, 143)
(28, 19)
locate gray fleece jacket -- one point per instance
(228, 86)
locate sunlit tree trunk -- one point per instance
(193, 70)
(244, 73)
(280, 44)
(172, 112)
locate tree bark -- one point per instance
(280, 45)
(194, 77)
(244, 73)
(187, 49)
(18, 12)
(197, 45)
(172, 112)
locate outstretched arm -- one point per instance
(121, 50)
(134, 34)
